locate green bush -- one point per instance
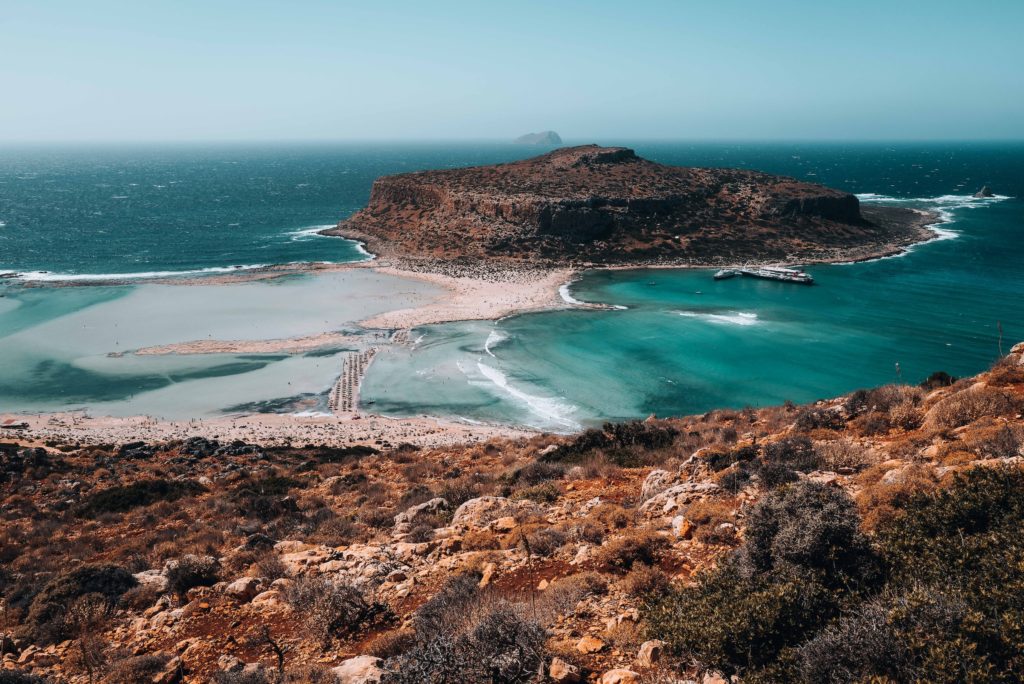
(124, 498)
(936, 599)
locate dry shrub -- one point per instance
(330, 608)
(706, 515)
(538, 539)
(646, 583)
(999, 441)
(843, 453)
(588, 531)
(140, 598)
(611, 516)
(563, 595)
(140, 669)
(392, 643)
(879, 501)
(968, 406)
(480, 540)
(634, 547)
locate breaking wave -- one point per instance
(732, 318)
(943, 205)
(551, 410)
(493, 340)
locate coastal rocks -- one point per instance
(984, 192)
(362, 669)
(677, 497)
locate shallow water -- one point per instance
(56, 345)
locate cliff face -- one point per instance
(606, 205)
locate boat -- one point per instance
(780, 273)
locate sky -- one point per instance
(206, 70)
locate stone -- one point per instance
(714, 678)
(563, 672)
(589, 644)
(271, 597)
(655, 483)
(677, 497)
(152, 578)
(230, 663)
(682, 527)
(481, 510)
(620, 676)
(173, 672)
(362, 669)
(410, 514)
(505, 524)
(487, 575)
(650, 653)
(243, 589)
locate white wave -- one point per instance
(47, 276)
(312, 414)
(563, 292)
(550, 410)
(733, 318)
(303, 234)
(3, 224)
(494, 339)
(943, 205)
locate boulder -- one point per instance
(655, 483)
(589, 644)
(410, 514)
(362, 669)
(620, 676)
(481, 510)
(563, 672)
(984, 192)
(152, 578)
(243, 589)
(650, 653)
(677, 497)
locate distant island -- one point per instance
(606, 205)
(543, 138)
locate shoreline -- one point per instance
(489, 291)
(270, 429)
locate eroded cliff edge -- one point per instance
(606, 205)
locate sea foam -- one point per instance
(732, 318)
(551, 410)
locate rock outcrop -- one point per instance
(607, 205)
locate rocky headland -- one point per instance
(608, 206)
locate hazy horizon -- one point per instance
(317, 71)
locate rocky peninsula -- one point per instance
(592, 205)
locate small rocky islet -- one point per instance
(608, 206)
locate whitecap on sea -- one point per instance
(732, 318)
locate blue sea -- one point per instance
(676, 341)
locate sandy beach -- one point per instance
(265, 429)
